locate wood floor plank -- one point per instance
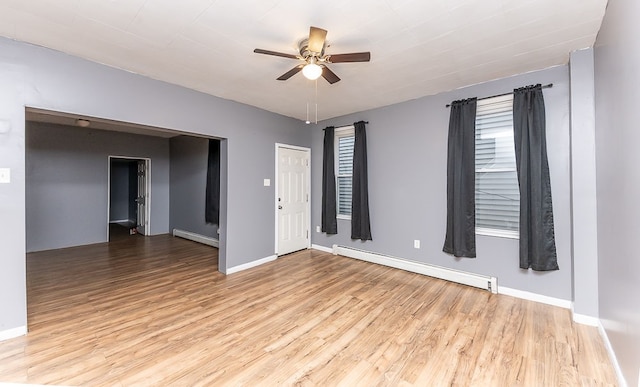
(155, 311)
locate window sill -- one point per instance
(498, 233)
(344, 217)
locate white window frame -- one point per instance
(495, 232)
(347, 131)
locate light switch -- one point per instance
(267, 182)
(5, 126)
(416, 243)
(5, 175)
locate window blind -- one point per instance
(345, 172)
(497, 193)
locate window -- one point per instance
(345, 139)
(497, 192)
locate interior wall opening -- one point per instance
(79, 184)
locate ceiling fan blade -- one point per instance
(290, 73)
(274, 53)
(329, 75)
(316, 39)
(353, 57)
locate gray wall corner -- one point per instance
(584, 219)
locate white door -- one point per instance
(292, 200)
(143, 197)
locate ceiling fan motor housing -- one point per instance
(303, 48)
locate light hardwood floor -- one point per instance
(155, 311)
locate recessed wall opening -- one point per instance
(89, 177)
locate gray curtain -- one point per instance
(360, 225)
(460, 239)
(212, 200)
(537, 240)
(329, 211)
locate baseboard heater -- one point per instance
(196, 237)
(461, 277)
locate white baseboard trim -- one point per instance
(612, 356)
(535, 297)
(13, 333)
(251, 264)
(461, 277)
(322, 248)
(583, 318)
(196, 237)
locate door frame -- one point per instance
(277, 185)
(147, 207)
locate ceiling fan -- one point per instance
(315, 60)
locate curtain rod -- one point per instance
(345, 126)
(548, 86)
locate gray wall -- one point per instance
(583, 185)
(407, 150)
(41, 78)
(617, 84)
(67, 179)
(188, 185)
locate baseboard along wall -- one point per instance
(461, 277)
(465, 278)
(196, 237)
(13, 333)
(612, 356)
(322, 248)
(251, 264)
(566, 304)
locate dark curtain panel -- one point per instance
(212, 200)
(537, 240)
(329, 211)
(460, 240)
(360, 226)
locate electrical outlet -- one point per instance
(267, 182)
(416, 244)
(317, 228)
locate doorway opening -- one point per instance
(129, 193)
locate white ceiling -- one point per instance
(418, 47)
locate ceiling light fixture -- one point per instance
(83, 123)
(311, 70)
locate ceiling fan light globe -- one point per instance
(312, 71)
